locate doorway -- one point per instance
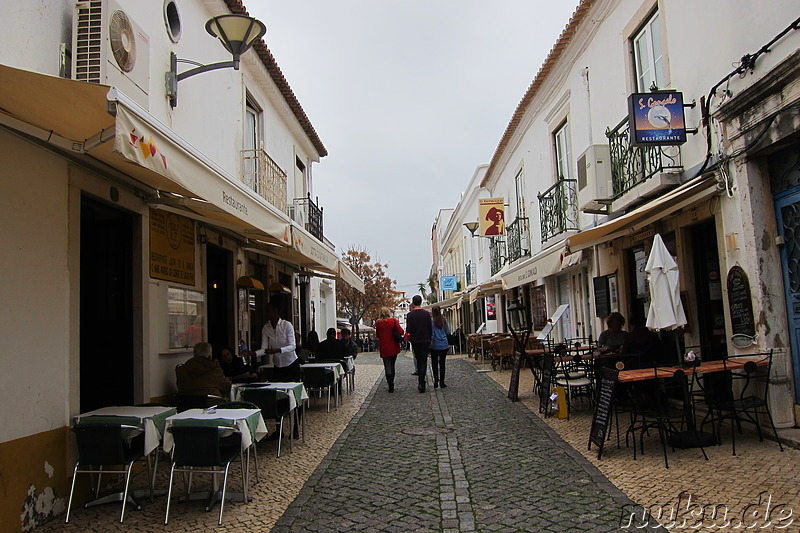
(106, 308)
(708, 284)
(219, 298)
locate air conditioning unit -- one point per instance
(595, 191)
(108, 47)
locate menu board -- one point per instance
(513, 386)
(545, 383)
(602, 411)
(740, 303)
(602, 301)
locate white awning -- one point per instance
(541, 265)
(684, 195)
(490, 286)
(347, 275)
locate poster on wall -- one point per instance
(490, 310)
(171, 247)
(492, 216)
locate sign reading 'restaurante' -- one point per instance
(657, 118)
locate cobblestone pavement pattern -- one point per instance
(456, 459)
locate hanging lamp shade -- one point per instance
(237, 33)
(246, 282)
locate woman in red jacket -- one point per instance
(389, 347)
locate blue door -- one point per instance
(787, 210)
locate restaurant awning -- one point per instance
(490, 286)
(82, 118)
(347, 275)
(684, 195)
(543, 264)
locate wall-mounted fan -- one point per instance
(122, 40)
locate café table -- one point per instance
(248, 421)
(298, 396)
(151, 419)
(338, 372)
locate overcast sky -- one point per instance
(409, 97)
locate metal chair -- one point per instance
(576, 376)
(318, 379)
(102, 445)
(502, 353)
(205, 450)
(274, 405)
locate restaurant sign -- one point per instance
(171, 247)
(657, 118)
(448, 283)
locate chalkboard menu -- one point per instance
(513, 386)
(602, 411)
(602, 302)
(546, 382)
(740, 303)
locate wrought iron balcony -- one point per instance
(558, 208)
(470, 273)
(631, 165)
(518, 239)
(306, 212)
(497, 254)
(265, 177)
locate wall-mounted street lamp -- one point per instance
(237, 33)
(472, 227)
(302, 279)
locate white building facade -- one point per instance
(134, 228)
(583, 203)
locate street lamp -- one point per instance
(237, 33)
(472, 227)
(519, 324)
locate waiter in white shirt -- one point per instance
(277, 340)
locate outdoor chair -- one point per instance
(317, 379)
(502, 353)
(743, 395)
(108, 445)
(576, 376)
(274, 405)
(205, 450)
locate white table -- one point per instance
(298, 395)
(248, 421)
(151, 419)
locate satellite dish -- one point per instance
(122, 40)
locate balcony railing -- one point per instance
(306, 212)
(631, 165)
(470, 273)
(518, 239)
(558, 208)
(265, 177)
(497, 255)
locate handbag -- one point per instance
(396, 335)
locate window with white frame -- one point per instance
(252, 144)
(186, 322)
(648, 56)
(561, 140)
(519, 185)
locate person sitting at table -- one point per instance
(641, 341)
(351, 348)
(332, 350)
(612, 339)
(201, 375)
(234, 367)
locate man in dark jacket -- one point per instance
(420, 330)
(201, 375)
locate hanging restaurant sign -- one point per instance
(657, 118)
(448, 283)
(492, 216)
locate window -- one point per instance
(252, 144)
(519, 184)
(648, 57)
(186, 323)
(562, 152)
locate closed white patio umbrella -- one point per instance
(666, 310)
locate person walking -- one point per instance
(439, 345)
(388, 347)
(420, 328)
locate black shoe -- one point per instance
(296, 434)
(442, 385)
(415, 374)
(391, 388)
(275, 436)
(435, 384)
(421, 387)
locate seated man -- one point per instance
(201, 375)
(350, 347)
(331, 349)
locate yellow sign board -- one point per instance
(492, 216)
(171, 247)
